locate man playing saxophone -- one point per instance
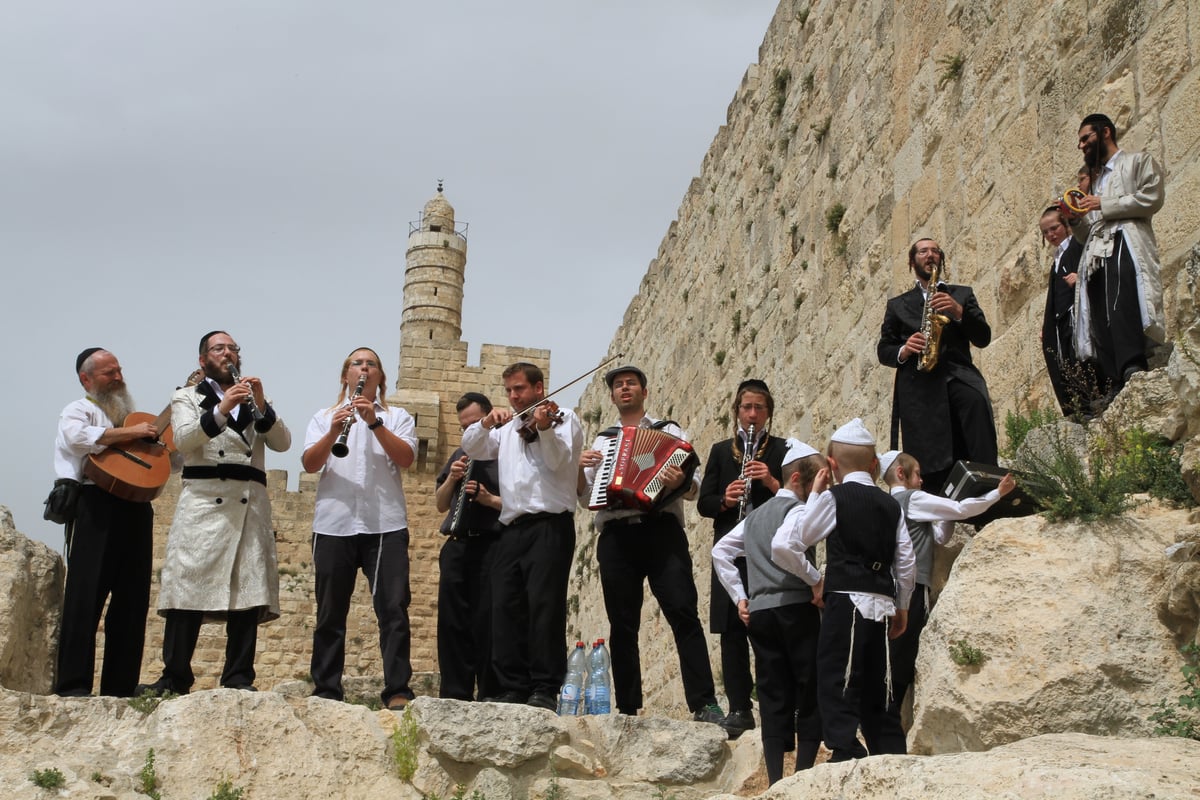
(943, 413)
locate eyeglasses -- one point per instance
(752, 407)
(221, 348)
(1087, 137)
(364, 362)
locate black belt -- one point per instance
(538, 516)
(626, 522)
(471, 534)
(232, 472)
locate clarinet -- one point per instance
(460, 500)
(747, 457)
(255, 411)
(340, 448)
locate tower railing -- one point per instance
(460, 228)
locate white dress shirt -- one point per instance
(363, 492)
(786, 549)
(538, 476)
(733, 546)
(944, 512)
(80, 426)
(821, 519)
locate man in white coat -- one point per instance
(221, 564)
(1119, 303)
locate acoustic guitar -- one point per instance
(136, 470)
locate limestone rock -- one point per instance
(488, 734)
(258, 741)
(1070, 766)
(1069, 639)
(1149, 401)
(1183, 372)
(657, 750)
(31, 581)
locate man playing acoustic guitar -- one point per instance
(109, 549)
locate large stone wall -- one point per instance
(851, 105)
(858, 105)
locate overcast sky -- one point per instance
(171, 168)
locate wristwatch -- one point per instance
(377, 423)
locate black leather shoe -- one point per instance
(506, 697)
(738, 722)
(245, 687)
(162, 686)
(710, 713)
(543, 700)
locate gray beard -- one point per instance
(117, 404)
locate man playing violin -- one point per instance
(110, 546)
(635, 547)
(537, 449)
(220, 563)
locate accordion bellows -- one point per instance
(631, 474)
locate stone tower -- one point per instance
(433, 371)
(434, 266)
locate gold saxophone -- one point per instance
(931, 325)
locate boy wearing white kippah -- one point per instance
(868, 578)
(930, 518)
(782, 619)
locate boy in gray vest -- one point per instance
(930, 519)
(781, 616)
(868, 579)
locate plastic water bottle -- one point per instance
(572, 688)
(599, 687)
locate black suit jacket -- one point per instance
(920, 400)
(721, 470)
(1057, 345)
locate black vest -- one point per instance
(860, 550)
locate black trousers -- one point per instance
(735, 646)
(464, 624)
(972, 430)
(654, 551)
(1116, 317)
(904, 657)
(182, 631)
(849, 638)
(785, 657)
(529, 602)
(110, 555)
(383, 558)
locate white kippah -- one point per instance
(886, 459)
(797, 450)
(853, 432)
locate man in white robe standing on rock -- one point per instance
(221, 563)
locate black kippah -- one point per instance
(754, 385)
(82, 357)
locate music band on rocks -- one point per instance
(834, 644)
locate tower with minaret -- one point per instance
(432, 375)
(434, 271)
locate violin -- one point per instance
(528, 427)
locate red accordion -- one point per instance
(631, 474)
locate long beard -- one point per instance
(117, 404)
(1093, 156)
